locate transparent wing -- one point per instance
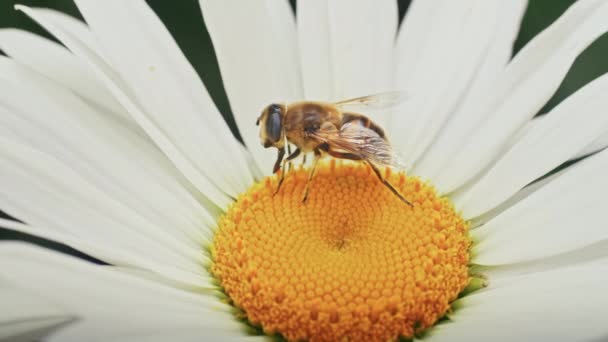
(375, 101)
(361, 141)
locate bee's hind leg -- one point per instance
(289, 158)
(388, 184)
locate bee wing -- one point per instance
(375, 101)
(362, 141)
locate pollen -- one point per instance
(351, 263)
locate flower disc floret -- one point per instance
(352, 262)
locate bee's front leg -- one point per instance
(280, 156)
(289, 158)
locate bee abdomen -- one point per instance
(363, 121)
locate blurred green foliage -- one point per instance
(184, 20)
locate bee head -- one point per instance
(271, 126)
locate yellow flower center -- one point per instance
(352, 263)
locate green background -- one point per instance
(184, 20)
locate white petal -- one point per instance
(101, 298)
(566, 130)
(74, 26)
(597, 145)
(45, 193)
(255, 43)
(315, 49)
(503, 273)
(477, 35)
(567, 304)
(562, 216)
(130, 261)
(57, 63)
(516, 198)
(125, 165)
(163, 82)
(32, 328)
(29, 317)
(347, 48)
(493, 63)
(56, 25)
(531, 78)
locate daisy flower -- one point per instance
(113, 146)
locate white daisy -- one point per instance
(114, 147)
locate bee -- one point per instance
(329, 128)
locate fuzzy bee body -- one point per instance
(324, 128)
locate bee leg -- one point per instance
(311, 174)
(293, 155)
(343, 155)
(388, 184)
(280, 156)
(303, 159)
(281, 179)
(289, 153)
(288, 159)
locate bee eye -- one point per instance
(274, 123)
